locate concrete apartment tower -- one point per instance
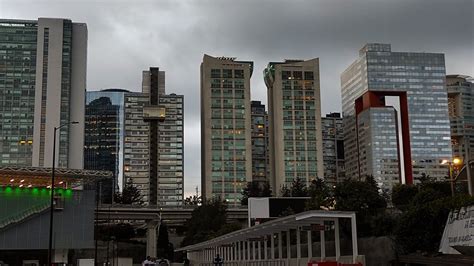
(461, 114)
(389, 144)
(44, 82)
(259, 142)
(154, 141)
(294, 114)
(226, 148)
(333, 148)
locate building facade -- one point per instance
(43, 68)
(461, 114)
(401, 140)
(259, 142)
(294, 114)
(104, 137)
(136, 144)
(154, 141)
(170, 182)
(333, 148)
(226, 147)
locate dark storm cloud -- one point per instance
(128, 37)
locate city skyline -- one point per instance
(427, 32)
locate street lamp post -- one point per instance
(51, 211)
(451, 164)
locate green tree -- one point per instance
(205, 221)
(321, 195)
(130, 195)
(193, 200)
(285, 191)
(255, 189)
(362, 197)
(298, 188)
(402, 195)
(421, 226)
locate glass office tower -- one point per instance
(104, 137)
(407, 140)
(226, 148)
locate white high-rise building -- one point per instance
(42, 86)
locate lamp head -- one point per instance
(74, 122)
(457, 161)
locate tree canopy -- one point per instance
(298, 189)
(130, 195)
(321, 195)
(256, 189)
(206, 220)
(363, 197)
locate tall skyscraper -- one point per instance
(333, 148)
(225, 127)
(461, 114)
(154, 141)
(374, 145)
(294, 114)
(42, 86)
(136, 144)
(104, 137)
(259, 142)
(170, 182)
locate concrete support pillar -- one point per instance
(265, 247)
(288, 245)
(248, 250)
(232, 252)
(298, 243)
(355, 250)
(151, 232)
(310, 246)
(238, 256)
(280, 245)
(259, 250)
(272, 247)
(323, 244)
(253, 251)
(336, 239)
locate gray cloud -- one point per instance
(127, 37)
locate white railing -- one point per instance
(250, 263)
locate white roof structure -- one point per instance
(259, 232)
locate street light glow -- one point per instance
(456, 161)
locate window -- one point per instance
(227, 73)
(298, 75)
(308, 75)
(285, 75)
(215, 73)
(239, 74)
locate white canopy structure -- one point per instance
(256, 245)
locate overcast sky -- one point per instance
(126, 37)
